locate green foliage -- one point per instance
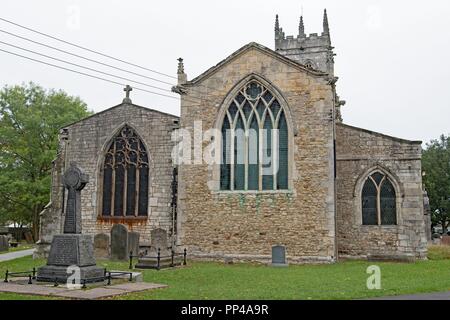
(436, 164)
(30, 119)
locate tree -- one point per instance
(30, 119)
(436, 164)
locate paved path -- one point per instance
(422, 296)
(21, 287)
(16, 254)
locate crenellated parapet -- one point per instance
(314, 50)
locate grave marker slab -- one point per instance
(4, 245)
(279, 256)
(119, 242)
(159, 241)
(101, 246)
(133, 243)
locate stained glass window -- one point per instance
(378, 201)
(125, 176)
(369, 203)
(388, 204)
(252, 121)
(282, 181)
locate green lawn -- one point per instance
(344, 280)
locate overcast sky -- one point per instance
(392, 61)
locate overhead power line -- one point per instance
(95, 61)
(92, 51)
(84, 48)
(87, 74)
(82, 57)
(84, 67)
(93, 76)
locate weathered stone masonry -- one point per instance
(245, 225)
(318, 217)
(360, 151)
(84, 143)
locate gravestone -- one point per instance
(119, 242)
(4, 244)
(28, 237)
(279, 256)
(445, 240)
(101, 246)
(159, 243)
(133, 243)
(72, 248)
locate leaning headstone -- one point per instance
(119, 242)
(133, 243)
(101, 246)
(4, 245)
(72, 249)
(159, 244)
(279, 256)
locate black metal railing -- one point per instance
(31, 274)
(107, 276)
(158, 258)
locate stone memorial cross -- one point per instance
(74, 180)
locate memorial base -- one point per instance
(279, 265)
(71, 255)
(59, 274)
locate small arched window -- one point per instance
(254, 141)
(125, 176)
(378, 201)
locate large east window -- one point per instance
(254, 141)
(125, 176)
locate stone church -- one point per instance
(290, 171)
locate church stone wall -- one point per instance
(315, 48)
(85, 142)
(358, 151)
(217, 224)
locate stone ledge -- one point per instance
(265, 259)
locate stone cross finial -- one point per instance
(74, 180)
(127, 90)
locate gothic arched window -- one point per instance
(125, 176)
(378, 201)
(254, 142)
